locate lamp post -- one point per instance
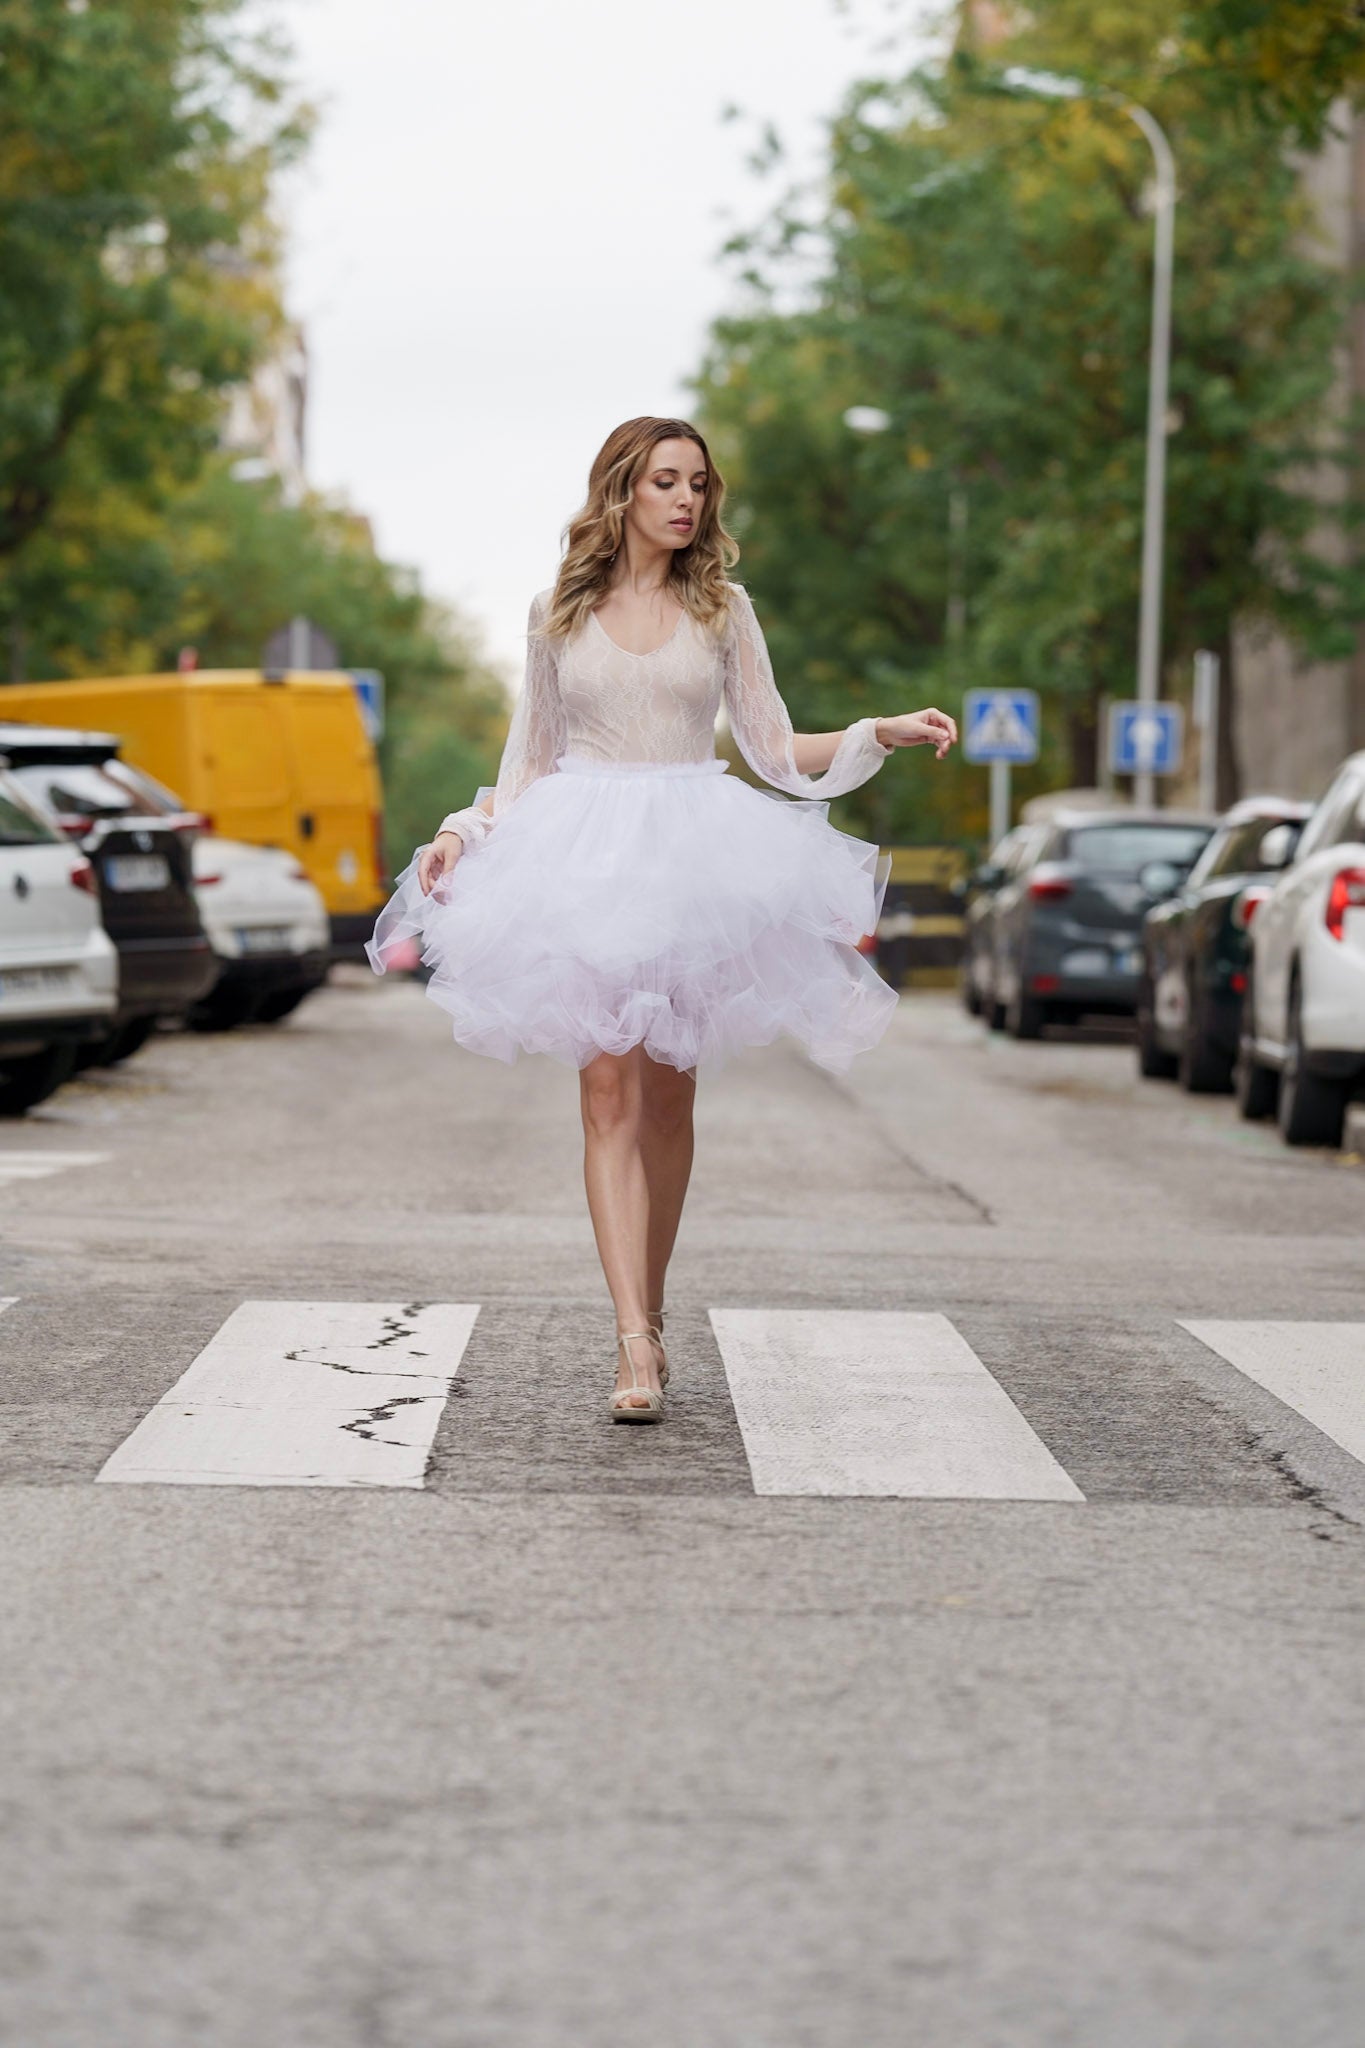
(1047, 86)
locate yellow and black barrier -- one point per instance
(919, 934)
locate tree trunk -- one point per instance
(1082, 739)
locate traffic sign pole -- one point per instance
(1206, 667)
(1000, 801)
(1000, 727)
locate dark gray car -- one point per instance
(1068, 922)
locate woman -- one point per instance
(621, 903)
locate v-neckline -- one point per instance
(629, 652)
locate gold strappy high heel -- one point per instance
(625, 1403)
(658, 1337)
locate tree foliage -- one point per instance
(1285, 61)
(138, 285)
(137, 142)
(979, 269)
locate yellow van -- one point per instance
(277, 760)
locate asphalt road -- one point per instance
(588, 1743)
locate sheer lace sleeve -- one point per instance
(762, 725)
(535, 736)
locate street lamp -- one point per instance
(1048, 86)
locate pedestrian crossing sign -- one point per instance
(1000, 725)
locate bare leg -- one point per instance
(611, 1095)
(667, 1144)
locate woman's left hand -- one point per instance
(919, 729)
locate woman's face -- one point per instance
(666, 505)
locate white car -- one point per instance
(59, 969)
(1302, 1052)
(267, 923)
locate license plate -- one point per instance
(1129, 961)
(264, 938)
(137, 871)
(32, 981)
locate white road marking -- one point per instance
(304, 1393)
(8, 1300)
(16, 1166)
(877, 1401)
(1317, 1369)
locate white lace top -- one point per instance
(587, 696)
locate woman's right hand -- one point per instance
(438, 859)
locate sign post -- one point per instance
(1206, 668)
(1000, 728)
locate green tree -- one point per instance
(1284, 61)
(984, 278)
(137, 143)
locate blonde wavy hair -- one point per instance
(697, 576)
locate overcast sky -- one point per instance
(505, 242)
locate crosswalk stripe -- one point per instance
(1317, 1369)
(885, 1402)
(18, 1166)
(304, 1393)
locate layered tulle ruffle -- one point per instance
(670, 907)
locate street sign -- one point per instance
(369, 687)
(299, 645)
(1000, 725)
(1146, 739)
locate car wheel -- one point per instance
(1205, 1068)
(968, 990)
(1026, 1015)
(1154, 1062)
(27, 1081)
(1312, 1109)
(1256, 1087)
(222, 1009)
(272, 1008)
(128, 1039)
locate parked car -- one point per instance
(1196, 945)
(267, 922)
(1302, 1049)
(977, 973)
(142, 868)
(58, 966)
(1067, 919)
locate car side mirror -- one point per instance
(1276, 846)
(1160, 878)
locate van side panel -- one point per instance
(244, 762)
(337, 793)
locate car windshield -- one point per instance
(157, 796)
(82, 788)
(21, 826)
(1238, 851)
(1126, 849)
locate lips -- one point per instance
(681, 525)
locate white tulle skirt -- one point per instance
(673, 907)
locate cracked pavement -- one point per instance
(586, 1744)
